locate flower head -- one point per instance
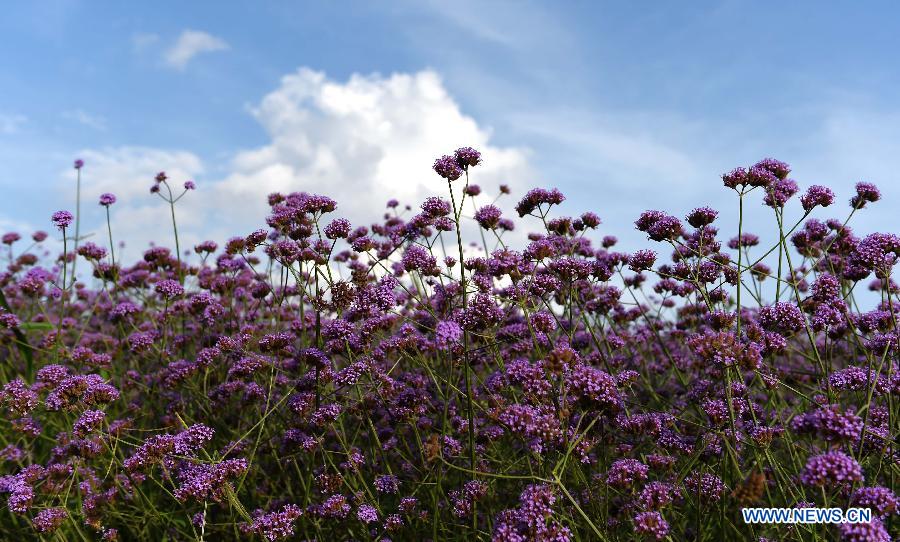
(701, 216)
(865, 193)
(62, 219)
(831, 468)
(488, 216)
(816, 196)
(447, 167)
(467, 157)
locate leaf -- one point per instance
(36, 326)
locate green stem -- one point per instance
(77, 222)
(112, 248)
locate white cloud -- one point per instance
(12, 225)
(82, 117)
(361, 142)
(128, 172)
(10, 124)
(364, 141)
(190, 44)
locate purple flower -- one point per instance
(734, 178)
(90, 251)
(169, 288)
(532, 519)
(88, 422)
(831, 469)
(701, 216)
(776, 168)
(537, 197)
(447, 334)
(858, 379)
(488, 216)
(707, 486)
(659, 226)
(200, 482)
(641, 260)
(189, 185)
(62, 219)
(625, 473)
(881, 500)
(9, 321)
(467, 157)
(275, 525)
(417, 258)
(816, 196)
(10, 238)
(658, 495)
(107, 199)
(746, 239)
(830, 423)
(779, 192)
(206, 246)
(339, 228)
(78, 164)
(49, 519)
(448, 168)
(387, 483)
(594, 387)
(481, 313)
(436, 207)
(865, 193)
(367, 513)
(782, 316)
(334, 506)
(864, 532)
(590, 219)
(651, 524)
(18, 397)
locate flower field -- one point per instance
(322, 380)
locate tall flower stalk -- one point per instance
(79, 164)
(107, 200)
(452, 168)
(170, 198)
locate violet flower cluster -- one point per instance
(319, 379)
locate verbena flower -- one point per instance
(62, 219)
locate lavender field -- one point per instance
(317, 379)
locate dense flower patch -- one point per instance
(320, 380)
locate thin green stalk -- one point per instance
(467, 368)
(112, 247)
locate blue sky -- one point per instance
(624, 106)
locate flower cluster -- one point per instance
(322, 379)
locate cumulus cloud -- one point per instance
(190, 44)
(361, 141)
(139, 217)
